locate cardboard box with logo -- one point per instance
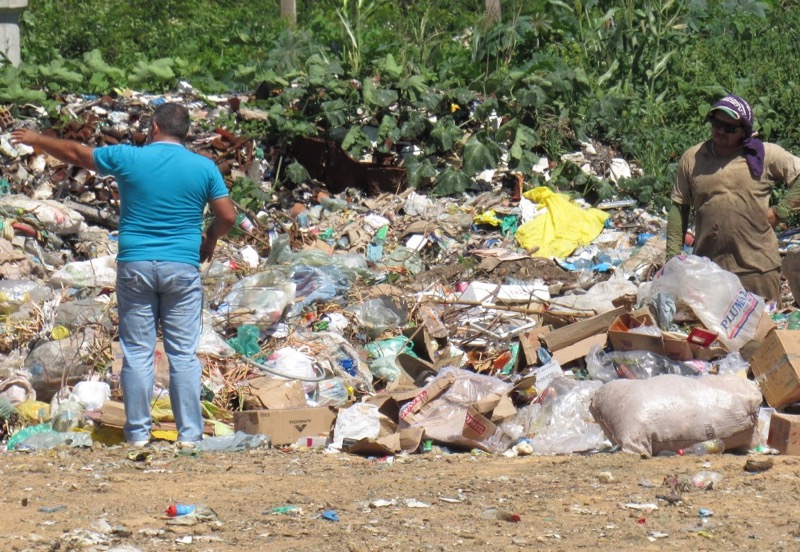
(776, 367)
(471, 425)
(286, 426)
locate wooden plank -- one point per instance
(577, 331)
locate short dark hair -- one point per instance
(172, 119)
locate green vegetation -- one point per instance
(638, 75)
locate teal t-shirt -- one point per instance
(163, 189)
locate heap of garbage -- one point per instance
(372, 318)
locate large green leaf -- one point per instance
(451, 182)
(446, 134)
(419, 172)
(335, 112)
(297, 173)
(414, 126)
(377, 97)
(479, 155)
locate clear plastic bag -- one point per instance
(606, 367)
(716, 297)
(259, 299)
(14, 293)
(331, 392)
(375, 317)
(237, 442)
(100, 272)
(561, 422)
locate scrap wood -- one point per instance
(523, 310)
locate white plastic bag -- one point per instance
(294, 362)
(716, 297)
(360, 421)
(99, 272)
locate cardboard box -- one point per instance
(471, 426)
(285, 426)
(776, 367)
(273, 393)
(784, 433)
(672, 345)
(621, 338)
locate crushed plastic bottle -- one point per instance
(711, 446)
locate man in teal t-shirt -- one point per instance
(164, 189)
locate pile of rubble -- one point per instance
(353, 312)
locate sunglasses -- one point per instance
(727, 128)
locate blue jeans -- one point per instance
(149, 292)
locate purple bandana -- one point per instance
(753, 148)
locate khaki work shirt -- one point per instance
(730, 207)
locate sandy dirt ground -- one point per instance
(99, 499)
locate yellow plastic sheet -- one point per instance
(34, 412)
(488, 217)
(562, 229)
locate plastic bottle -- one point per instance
(502, 515)
(175, 510)
(712, 446)
(244, 223)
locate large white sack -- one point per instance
(672, 412)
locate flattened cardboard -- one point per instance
(274, 393)
(406, 440)
(776, 367)
(112, 414)
(285, 427)
(784, 433)
(410, 412)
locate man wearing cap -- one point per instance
(728, 180)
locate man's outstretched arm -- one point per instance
(68, 151)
